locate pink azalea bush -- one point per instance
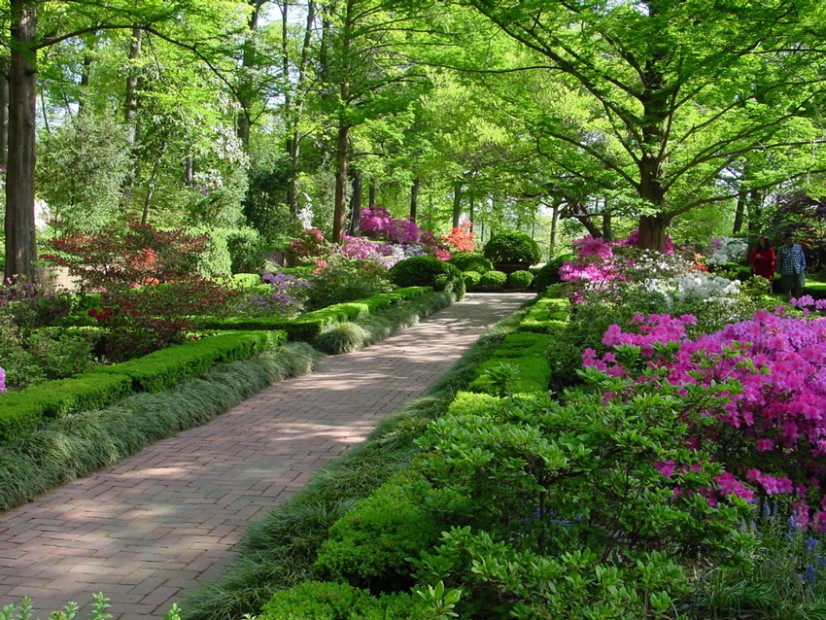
(754, 394)
(377, 223)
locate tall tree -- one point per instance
(682, 89)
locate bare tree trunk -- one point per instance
(295, 105)
(246, 88)
(607, 231)
(554, 230)
(652, 232)
(740, 211)
(340, 206)
(457, 202)
(414, 198)
(20, 248)
(755, 210)
(355, 203)
(4, 113)
(130, 115)
(371, 194)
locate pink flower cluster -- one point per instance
(763, 381)
(379, 224)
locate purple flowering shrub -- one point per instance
(286, 298)
(754, 396)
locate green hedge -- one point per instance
(307, 326)
(23, 412)
(168, 367)
(548, 311)
(372, 545)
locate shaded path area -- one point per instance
(164, 521)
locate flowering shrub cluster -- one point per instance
(620, 271)
(377, 223)
(285, 300)
(727, 250)
(754, 394)
(460, 238)
(2, 380)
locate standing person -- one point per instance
(791, 263)
(762, 259)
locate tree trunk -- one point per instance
(652, 232)
(4, 113)
(21, 250)
(457, 202)
(340, 206)
(355, 203)
(554, 229)
(607, 231)
(414, 198)
(740, 212)
(246, 88)
(755, 210)
(130, 115)
(371, 194)
(471, 210)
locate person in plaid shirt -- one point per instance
(791, 263)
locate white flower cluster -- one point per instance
(694, 286)
(731, 250)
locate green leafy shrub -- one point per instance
(470, 261)
(343, 280)
(512, 247)
(492, 281)
(315, 600)
(247, 250)
(472, 279)
(549, 273)
(425, 271)
(371, 545)
(521, 279)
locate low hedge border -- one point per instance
(309, 325)
(76, 445)
(23, 412)
(166, 368)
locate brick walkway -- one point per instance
(165, 521)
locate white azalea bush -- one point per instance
(727, 250)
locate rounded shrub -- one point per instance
(247, 250)
(342, 338)
(512, 247)
(549, 273)
(425, 271)
(521, 279)
(493, 281)
(471, 279)
(471, 261)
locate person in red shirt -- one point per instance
(762, 259)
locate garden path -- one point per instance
(165, 521)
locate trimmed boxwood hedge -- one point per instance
(23, 412)
(163, 369)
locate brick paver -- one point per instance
(165, 521)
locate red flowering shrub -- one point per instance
(150, 291)
(460, 239)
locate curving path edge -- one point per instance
(165, 521)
